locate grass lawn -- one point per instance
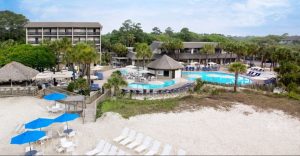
(129, 107)
(261, 102)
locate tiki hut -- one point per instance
(165, 68)
(16, 72)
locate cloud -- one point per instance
(202, 16)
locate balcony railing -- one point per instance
(93, 33)
(79, 33)
(33, 42)
(34, 33)
(65, 33)
(50, 33)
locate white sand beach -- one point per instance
(240, 130)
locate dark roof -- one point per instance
(157, 44)
(165, 63)
(292, 38)
(64, 24)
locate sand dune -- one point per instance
(240, 130)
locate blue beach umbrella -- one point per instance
(28, 137)
(55, 96)
(39, 123)
(66, 117)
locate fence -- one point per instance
(102, 98)
(18, 91)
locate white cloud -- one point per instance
(203, 16)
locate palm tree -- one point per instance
(143, 51)
(173, 46)
(252, 50)
(115, 81)
(86, 55)
(208, 49)
(237, 68)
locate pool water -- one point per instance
(166, 83)
(216, 77)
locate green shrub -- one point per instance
(71, 87)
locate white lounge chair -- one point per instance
(97, 149)
(113, 150)
(167, 150)
(181, 152)
(145, 145)
(154, 149)
(137, 141)
(130, 138)
(106, 149)
(121, 152)
(123, 135)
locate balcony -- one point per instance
(79, 33)
(34, 33)
(65, 33)
(50, 33)
(33, 42)
(93, 33)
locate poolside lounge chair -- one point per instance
(130, 138)
(167, 150)
(123, 135)
(106, 149)
(154, 149)
(113, 150)
(97, 149)
(145, 145)
(181, 152)
(137, 141)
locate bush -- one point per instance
(198, 86)
(71, 87)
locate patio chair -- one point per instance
(106, 149)
(113, 150)
(181, 152)
(145, 145)
(121, 152)
(137, 141)
(123, 135)
(97, 149)
(167, 150)
(154, 149)
(130, 138)
(60, 134)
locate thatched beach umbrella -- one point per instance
(15, 71)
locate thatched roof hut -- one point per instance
(165, 63)
(16, 71)
(165, 68)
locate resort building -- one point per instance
(38, 32)
(191, 52)
(290, 40)
(165, 68)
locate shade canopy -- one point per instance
(165, 63)
(16, 71)
(55, 96)
(27, 137)
(39, 123)
(66, 117)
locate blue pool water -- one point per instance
(166, 83)
(216, 77)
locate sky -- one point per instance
(229, 17)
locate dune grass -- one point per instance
(215, 99)
(130, 107)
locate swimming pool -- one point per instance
(216, 77)
(166, 83)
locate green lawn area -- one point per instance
(129, 107)
(223, 99)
